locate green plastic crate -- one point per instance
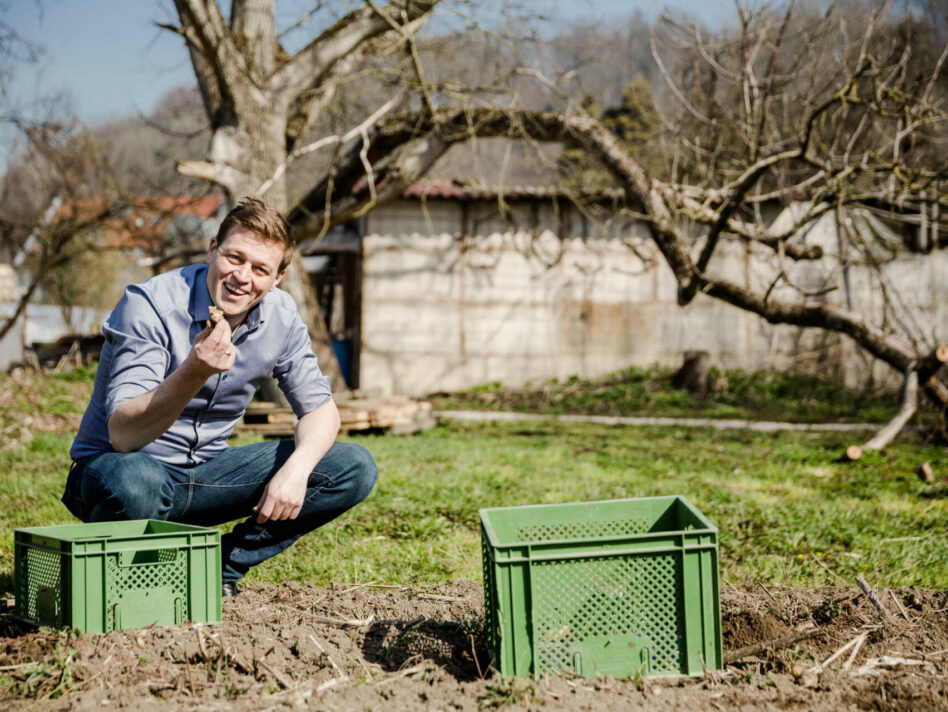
(620, 587)
(108, 576)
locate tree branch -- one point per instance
(217, 63)
(309, 66)
(221, 174)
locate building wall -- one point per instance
(455, 296)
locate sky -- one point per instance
(108, 58)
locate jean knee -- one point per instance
(130, 486)
(364, 471)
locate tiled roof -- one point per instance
(452, 190)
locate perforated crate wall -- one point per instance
(622, 587)
(112, 575)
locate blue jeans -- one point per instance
(116, 486)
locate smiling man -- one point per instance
(171, 385)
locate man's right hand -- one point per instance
(140, 420)
(213, 350)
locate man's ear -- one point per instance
(276, 281)
(210, 250)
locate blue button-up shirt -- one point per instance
(149, 334)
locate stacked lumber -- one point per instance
(396, 415)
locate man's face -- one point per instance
(242, 269)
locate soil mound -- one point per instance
(400, 648)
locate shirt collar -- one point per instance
(200, 302)
(200, 297)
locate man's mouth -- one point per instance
(234, 290)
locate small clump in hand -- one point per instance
(217, 316)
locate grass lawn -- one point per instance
(787, 513)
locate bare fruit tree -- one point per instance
(821, 113)
(260, 100)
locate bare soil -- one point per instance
(366, 647)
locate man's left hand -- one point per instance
(284, 494)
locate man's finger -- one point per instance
(263, 509)
(204, 334)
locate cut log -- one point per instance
(853, 453)
(925, 472)
(932, 363)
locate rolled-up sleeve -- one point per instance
(140, 352)
(297, 372)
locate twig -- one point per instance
(438, 597)
(898, 604)
(903, 538)
(771, 645)
(238, 661)
(480, 673)
(284, 681)
(329, 657)
(368, 585)
(350, 623)
(403, 673)
(323, 686)
(852, 656)
(767, 591)
(360, 130)
(368, 672)
(820, 665)
(872, 596)
(16, 667)
(201, 646)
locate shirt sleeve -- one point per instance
(297, 372)
(140, 353)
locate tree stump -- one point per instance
(694, 375)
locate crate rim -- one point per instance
(49, 530)
(488, 527)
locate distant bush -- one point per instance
(761, 395)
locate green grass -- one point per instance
(787, 513)
(764, 395)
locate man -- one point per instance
(169, 390)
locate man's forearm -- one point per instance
(143, 419)
(315, 433)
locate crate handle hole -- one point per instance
(148, 557)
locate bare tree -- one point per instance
(52, 200)
(755, 119)
(260, 100)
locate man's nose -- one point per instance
(242, 272)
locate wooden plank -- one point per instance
(397, 414)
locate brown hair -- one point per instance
(267, 222)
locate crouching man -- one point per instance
(172, 384)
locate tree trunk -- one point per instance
(694, 374)
(258, 105)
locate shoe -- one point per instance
(229, 588)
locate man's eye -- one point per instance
(261, 271)
(233, 259)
